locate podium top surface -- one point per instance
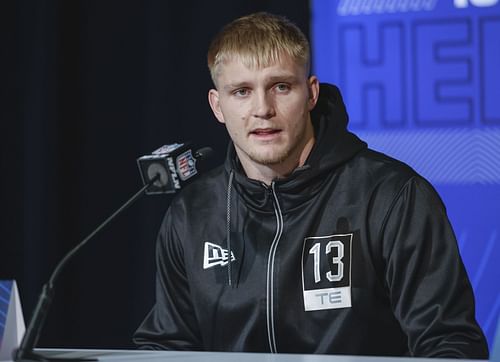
(178, 356)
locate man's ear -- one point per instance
(213, 100)
(313, 91)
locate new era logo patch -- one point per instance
(215, 255)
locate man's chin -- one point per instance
(269, 159)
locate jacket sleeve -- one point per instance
(171, 324)
(430, 292)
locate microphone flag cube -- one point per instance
(174, 164)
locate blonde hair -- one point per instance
(258, 40)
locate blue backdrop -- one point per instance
(5, 291)
(421, 81)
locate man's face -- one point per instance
(266, 111)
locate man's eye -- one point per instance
(241, 92)
(282, 87)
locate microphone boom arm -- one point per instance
(30, 338)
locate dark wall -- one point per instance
(87, 87)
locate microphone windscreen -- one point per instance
(204, 153)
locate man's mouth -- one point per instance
(265, 132)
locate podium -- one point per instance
(178, 356)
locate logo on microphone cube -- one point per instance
(186, 165)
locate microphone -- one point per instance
(175, 164)
(166, 170)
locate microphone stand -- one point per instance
(25, 351)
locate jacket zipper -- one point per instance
(270, 273)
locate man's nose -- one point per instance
(264, 105)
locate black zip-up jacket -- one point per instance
(351, 254)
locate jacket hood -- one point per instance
(334, 146)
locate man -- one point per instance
(305, 240)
